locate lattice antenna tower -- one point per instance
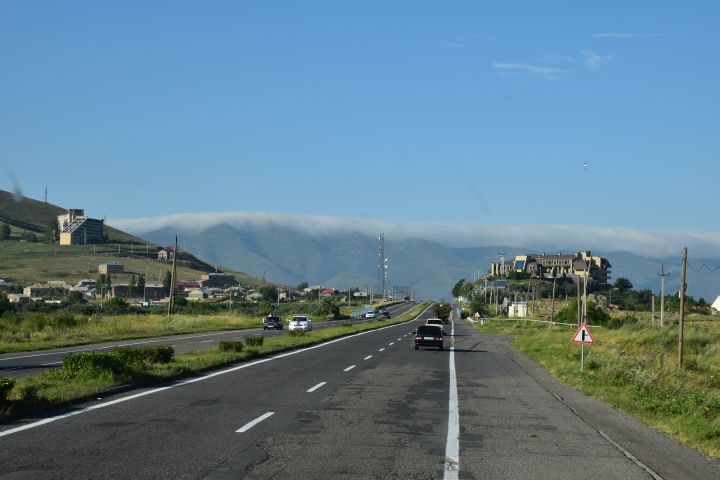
(382, 266)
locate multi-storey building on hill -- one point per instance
(76, 228)
(573, 266)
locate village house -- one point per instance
(18, 298)
(197, 294)
(121, 290)
(111, 267)
(217, 280)
(167, 253)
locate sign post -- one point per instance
(583, 336)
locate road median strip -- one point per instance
(53, 388)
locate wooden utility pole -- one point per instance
(552, 302)
(653, 310)
(662, 275)
(579, 303)
(173, 279)
(683, 286)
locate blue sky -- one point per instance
(464, 112)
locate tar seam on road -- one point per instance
(45, 421)
(349, 368)
(629, 455)
(452, 447)
(249, 425)
(368, 357)
(310, 390)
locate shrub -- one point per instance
(64, 320)
(297, 333)
(93, 364)
(254, 340)
(230, 346)
(252, 352)
(618, 322)
(6, 384)
(137, 357)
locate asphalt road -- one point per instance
(19, 364)
(362, 407)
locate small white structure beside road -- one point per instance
(517, 310)
(716, 306)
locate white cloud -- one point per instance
(626, 35)
(594, 61)
(535, 70)
(658, 243)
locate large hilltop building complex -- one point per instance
(76, 228)
(546, 266)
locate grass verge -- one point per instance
(57, 387)
(634, 369)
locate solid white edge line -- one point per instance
(249, 425)
(312, 389)
(452, 446)
(349, 368)
(629, 455)
(194, 380)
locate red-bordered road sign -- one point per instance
(583, 335)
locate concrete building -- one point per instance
(217, 280)
(167, 253)
(120, 290)
(111, 267)
(76, 228)
(197, 294)
(40, 290)
(154, 291)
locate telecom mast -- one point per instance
(382, 266)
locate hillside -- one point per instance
(283, 253)
(29, 262)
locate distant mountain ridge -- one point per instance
(289, 255)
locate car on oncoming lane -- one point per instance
(370, 315)
(271, 322)
(429, 336)
(300, 322)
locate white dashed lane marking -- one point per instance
(310, 390)
(349, 368)
(368, 357)
(381, 350)
(249, 425)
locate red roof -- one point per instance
(193, 284)
(329, 291)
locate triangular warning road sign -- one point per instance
(583, 335)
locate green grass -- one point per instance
(34, 333)
(634, 369)
(53, 387)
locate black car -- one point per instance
(429, 336)
(384, 313)
(272, 322)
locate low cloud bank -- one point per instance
(550, 238)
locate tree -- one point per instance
(29, 236)
(116, 305)
(4, 232)
(461, 287)
(302, 286)
(75, 297)
(269, 292)
(329, 307)
(132, 285)
(167, 282)
(5, 305)
(52, 232)
(140, 290)
(623, 284)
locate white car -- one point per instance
(370, 315)
(435, 322)
(300, 322)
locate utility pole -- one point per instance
(683, 286)
(653, 310)
(552, 302)
(662, 275)
(585, 302)
(579, 302)
(173, 279)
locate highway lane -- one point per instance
(20, 364)
(191, 431)
(366, 406)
